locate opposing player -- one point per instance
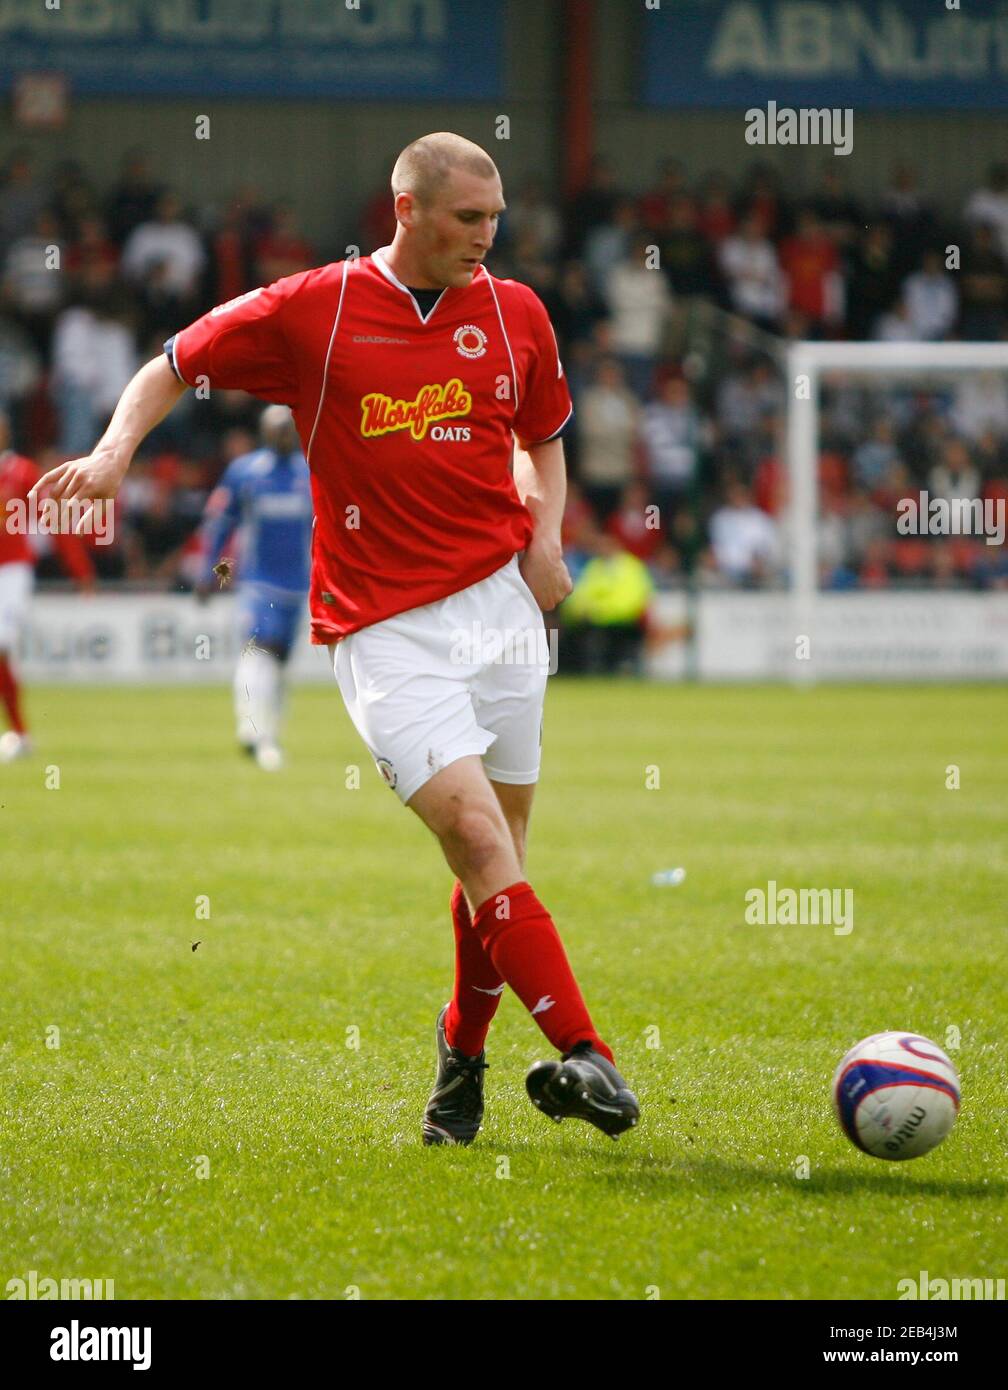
(266, 497)
(18, 475)
(410, 373)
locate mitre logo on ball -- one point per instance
(469, 340)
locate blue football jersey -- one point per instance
(266, 497)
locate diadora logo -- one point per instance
(380, 414)
(469, 340)
(233, 303)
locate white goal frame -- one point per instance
(811, 360)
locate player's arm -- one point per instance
(145, 402)
(540, 477)
(221, 517)
(239, 346)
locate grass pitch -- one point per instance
(207, 1128)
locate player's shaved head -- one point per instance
(424, 166)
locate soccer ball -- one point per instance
(896, 1095)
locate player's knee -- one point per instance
(474, 837)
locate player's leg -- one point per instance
(15, 592)
(509, 701)
(515, 800)
(478, 987)
(517, 933)
(277, 630)
(258, 681)
(415, 705)
(459, 806)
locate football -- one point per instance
(896, 1095)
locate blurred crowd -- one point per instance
(670, 305)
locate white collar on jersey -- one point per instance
(379, 259)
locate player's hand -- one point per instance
(544, 571)
(95, 478)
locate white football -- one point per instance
(896, 1095)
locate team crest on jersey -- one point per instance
(233, 303)
(387, 771)
(469, 340)
(380, 414)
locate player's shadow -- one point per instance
(616, 1164)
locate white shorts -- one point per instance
(16, 583)
(464, 675)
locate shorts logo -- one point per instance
(387, 771)
(470, 341)
(380, 414)
(233, 303)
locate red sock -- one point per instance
(10, 695)
(478, 987)
(519, 936)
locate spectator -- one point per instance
(955, 478)
(20, 373)
(873, 284)
(654, 208)
(377, 218)
(980, 405)
(231, 262)
(686, 257)
(593, 207)
(283, 250)
(841, 215)
(134, 198)
(33, 279)
(94, 357)
(640, 303)
(745, 396)
(608, 244)
(672, 435)
(715, 215)
(833, 548)
(605, 616)
(990, 205)
(749, 263)
(169, 248)
(91, 256)
(532, 219)
(908, 215)
(529, 265)
(983, 287)
(896, 326)
(575, 308)
(743, 538)
(607, 418)
(811, 266)
(637, 523)
(762, 202)
(875, 457)
(23, 196)
(932, 299)
(74, 199)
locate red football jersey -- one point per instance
(18, 476)
(406, 422)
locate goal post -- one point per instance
(806, 365)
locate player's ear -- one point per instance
(405, 209)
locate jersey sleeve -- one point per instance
(544, 405)
(243, 345)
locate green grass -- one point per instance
(329, 911)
